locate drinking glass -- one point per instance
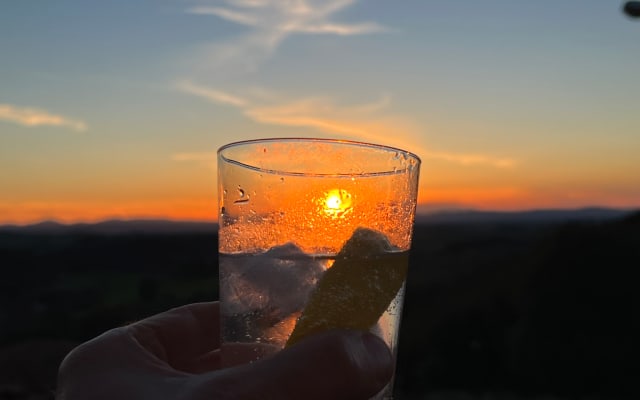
(314, 234)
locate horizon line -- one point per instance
(421, 211)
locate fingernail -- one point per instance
(376, 360)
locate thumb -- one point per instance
(332, 365)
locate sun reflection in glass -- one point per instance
(337, 202)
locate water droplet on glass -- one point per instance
(243, 197)
(282, 179)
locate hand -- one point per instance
(175, 355)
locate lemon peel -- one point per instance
(366, 276)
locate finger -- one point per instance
(114, 365)
(206, 362)
(181, 335)
(333, 365)
(234, 354)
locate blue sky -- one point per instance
(116, 108)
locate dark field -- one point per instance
(496, 308)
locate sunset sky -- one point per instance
(115, 109)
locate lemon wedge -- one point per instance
(366, 276)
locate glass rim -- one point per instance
(345, 142)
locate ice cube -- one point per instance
(278, 282)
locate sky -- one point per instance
(115, 109)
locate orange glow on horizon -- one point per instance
(517, 199)
(335, 203)
(74, 212)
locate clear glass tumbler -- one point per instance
(314, 234)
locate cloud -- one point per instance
(272, 21)
(204, 156)
(213, 95)
(206, 159)
(370, 122)
(34, 117)
(229, 15)
(472, 159)
(318, 113)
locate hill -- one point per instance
(427, 216)
(540, 303)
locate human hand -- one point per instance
(175, 355)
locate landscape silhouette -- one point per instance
(498, 305)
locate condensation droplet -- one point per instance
(282, 179)
(243, 197)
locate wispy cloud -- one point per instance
(206, 159)
(272, 21)
(367, 122)
(35, 117)
(213, 95)
(471, 159)
(204, 156)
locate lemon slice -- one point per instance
(357, 289)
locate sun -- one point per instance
(337, 202)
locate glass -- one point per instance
(314, 234)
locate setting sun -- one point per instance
(337, 202)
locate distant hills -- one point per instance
(114, 227)
(531, 216)
(454, 216)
